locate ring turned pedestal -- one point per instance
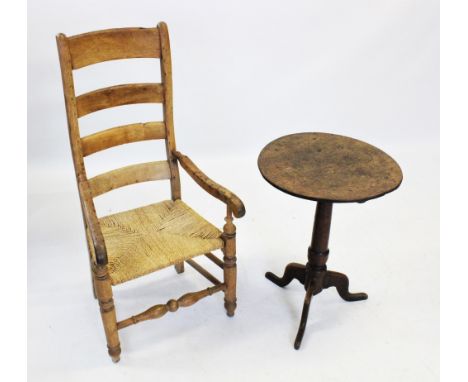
(328, 169)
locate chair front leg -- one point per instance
(230, 267)
(103, 288)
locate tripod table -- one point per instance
(328, 169)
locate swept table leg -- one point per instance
(314, 275)
(341, 282)
(292, 271)
(304, 316)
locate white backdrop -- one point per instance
(245, 73)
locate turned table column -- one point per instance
(314, 275)
(316, 267)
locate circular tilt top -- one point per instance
(328, 167)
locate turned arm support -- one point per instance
(92, 223)
(213, 188)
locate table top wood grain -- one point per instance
(328, 167)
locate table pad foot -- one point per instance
(291, 272)
(341, 282)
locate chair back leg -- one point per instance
(103, 289)
(230, 267)
(179, 267)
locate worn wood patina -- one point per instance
(329, 169)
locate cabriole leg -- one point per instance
(341, 282)
(304, 316)
(230, 267)
(103, 288)
(291, 272)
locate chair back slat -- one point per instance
(114, 44)
(91, 48)
(118, 95)
(124, 176)
(121, 135)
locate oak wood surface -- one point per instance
(121, 135)
(328, 167)
(142, 172)
(118, 95)
(112, 44)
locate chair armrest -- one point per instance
(213, 188)
(92, 223)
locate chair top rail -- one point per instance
(113, 44)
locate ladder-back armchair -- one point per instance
(130, 244)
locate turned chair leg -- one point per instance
(230, 267)
(179, 267)
(106, 304)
